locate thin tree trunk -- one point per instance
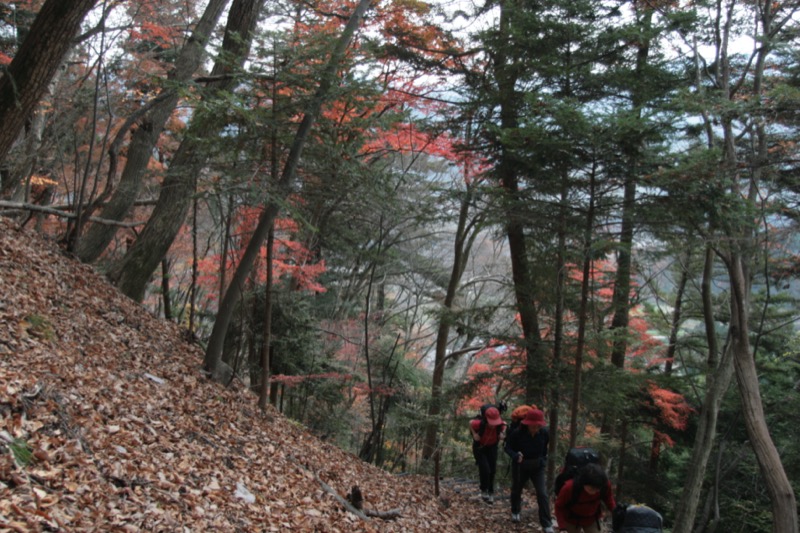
(226, 239)
(465, 235)
(672, 346)
(558, 327)
(195, 269)
(741, 244)
(75, 226)
(623, 449)
(132, 273)
(18, 185)
(283, 187)
(784, 505)
(367, 450)
(165, 288)
(622, 283)
(263, 393)
(582, 316)
(676, 321)
(148, 130)
(718, 379)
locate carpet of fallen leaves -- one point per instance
(109, 424)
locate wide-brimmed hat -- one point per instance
(493, 416)
(534, 417)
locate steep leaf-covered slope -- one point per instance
(108, 424)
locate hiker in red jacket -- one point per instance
(578, 504)
(487, 431)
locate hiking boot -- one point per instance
(515, 517)
(485, 496)
(490, 499)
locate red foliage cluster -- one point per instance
(673, 408)
(494, 374)
(291, 259)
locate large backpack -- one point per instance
(573, 461)
(635, 519)
(517, 415)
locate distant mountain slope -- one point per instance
(109, 425)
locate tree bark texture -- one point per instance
(146, 134)
(35, 64)
(784, 505)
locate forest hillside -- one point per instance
(108, 424)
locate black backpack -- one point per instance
(573, 461)
(635, 519)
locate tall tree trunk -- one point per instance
(677, 319)
(507, 74)
(582, 315)
(622, 282)
(738, 249)
(165, 288)
(144, 138)
(367, 450)
(283, 187)
(465, 235)
(36, 62)
(266, 352)
(632, 148)
(133, 271)
(718, 379)
(195, 270)
(784, 505)
(558, 327)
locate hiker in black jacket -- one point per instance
(527, 447)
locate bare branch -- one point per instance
(12, 207)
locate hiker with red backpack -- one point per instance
(487, 430)
(578, 503)
(527, 447)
